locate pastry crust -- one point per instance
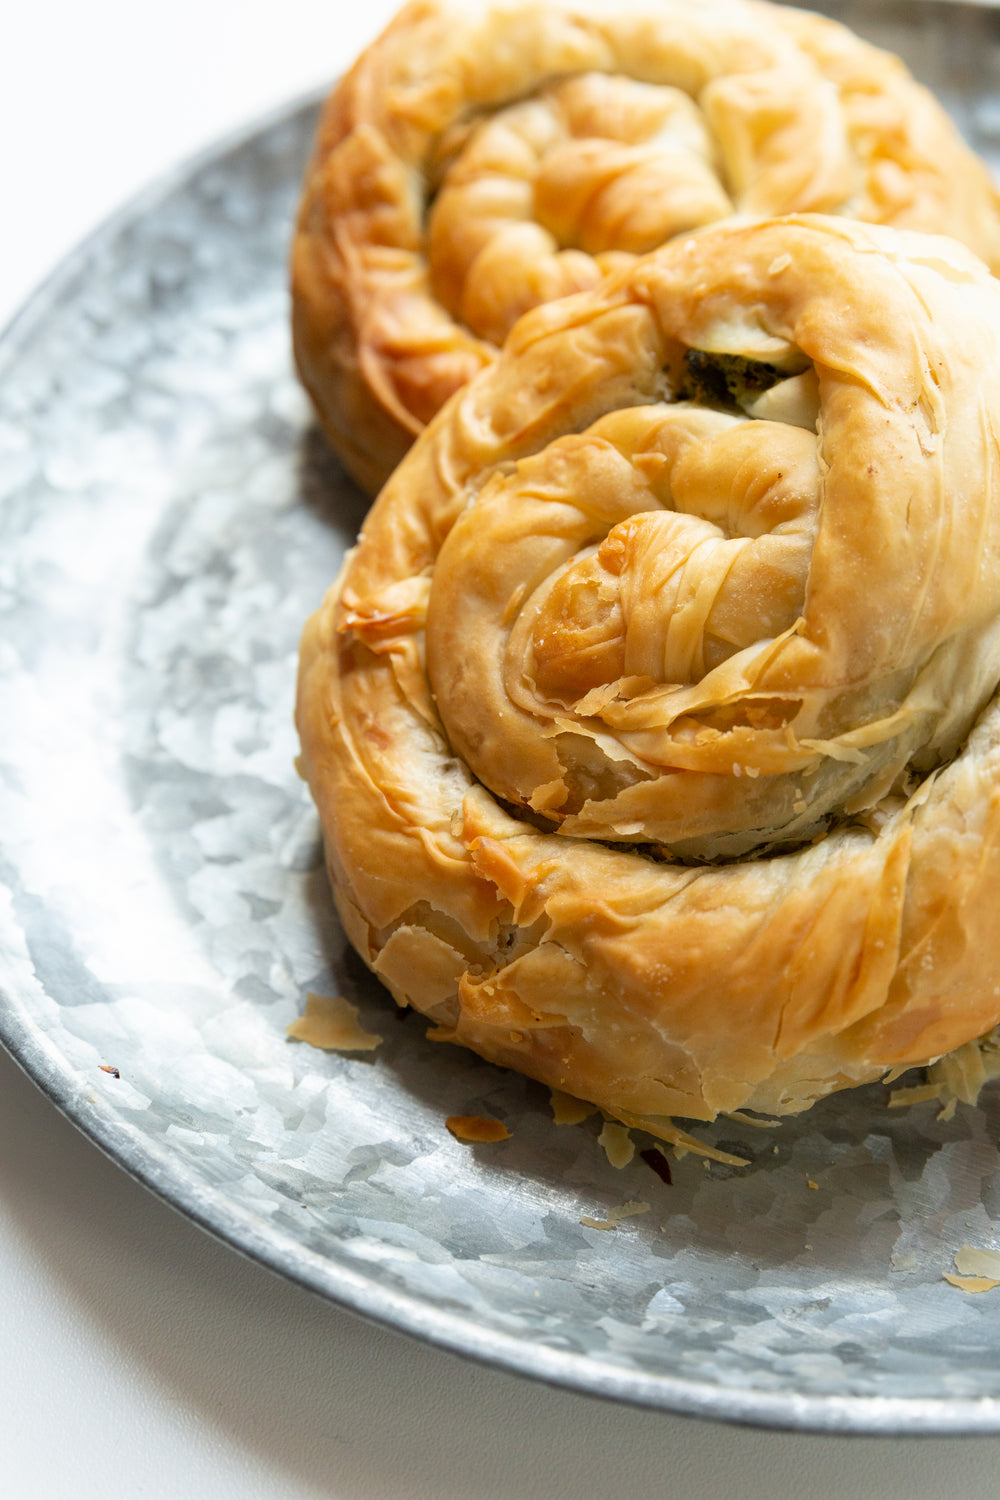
(653, 721)
(482, 158)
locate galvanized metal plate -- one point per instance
(169, 517)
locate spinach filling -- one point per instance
(727, 382)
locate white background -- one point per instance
(137, 1357)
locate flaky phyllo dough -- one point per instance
(652, 721)
(482, 158)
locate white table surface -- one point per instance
(138, 1358)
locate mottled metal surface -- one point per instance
(168, 519)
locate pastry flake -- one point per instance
(331, 1023)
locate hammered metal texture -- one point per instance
(169, 517)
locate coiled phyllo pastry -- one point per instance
(482, 158)
(653, 720)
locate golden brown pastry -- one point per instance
(480, 159)
(653, 721)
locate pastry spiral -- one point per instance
(653, 720)
(482, 158)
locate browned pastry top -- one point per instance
(652, 722)
(480, 159)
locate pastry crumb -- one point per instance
(975, 1270)
(919, 1094)
(628, 1210)
(476, 1129)
(972, 1283)
(331, 1023)
(568, 1110)
(618, 1144)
